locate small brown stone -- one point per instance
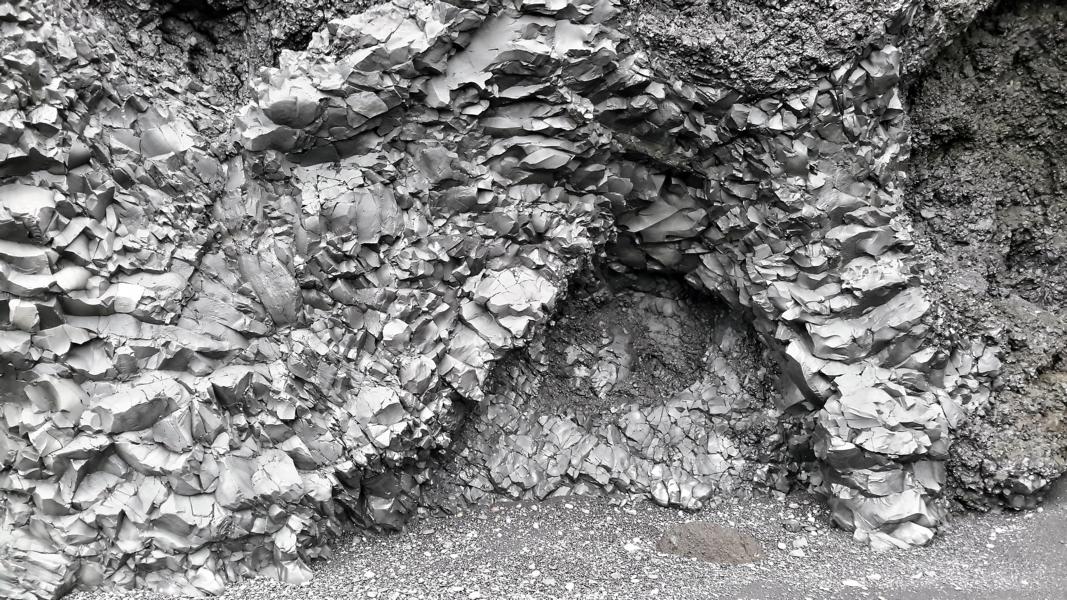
(710, 542)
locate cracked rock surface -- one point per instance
(601, 548)
(270, 271)
(989, 200)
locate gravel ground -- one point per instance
(604, 548)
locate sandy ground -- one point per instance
(603, 548)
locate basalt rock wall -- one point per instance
(270, 273)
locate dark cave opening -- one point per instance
(639, 383)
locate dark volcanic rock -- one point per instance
(764, 46)
(988, 198)
(265, 266)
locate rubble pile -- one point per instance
(227, 335)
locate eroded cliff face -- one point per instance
(274, 270)
(759, 47)
(988, 199)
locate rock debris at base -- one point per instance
(603, 549)
(244, 312)
(595, 387)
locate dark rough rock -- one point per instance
(222, 43)
(760, 47)
(710, 542)
(988, 197)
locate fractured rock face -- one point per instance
(232, 329)
(639, 386)
(989, 199)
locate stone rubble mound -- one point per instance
(226, 338)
